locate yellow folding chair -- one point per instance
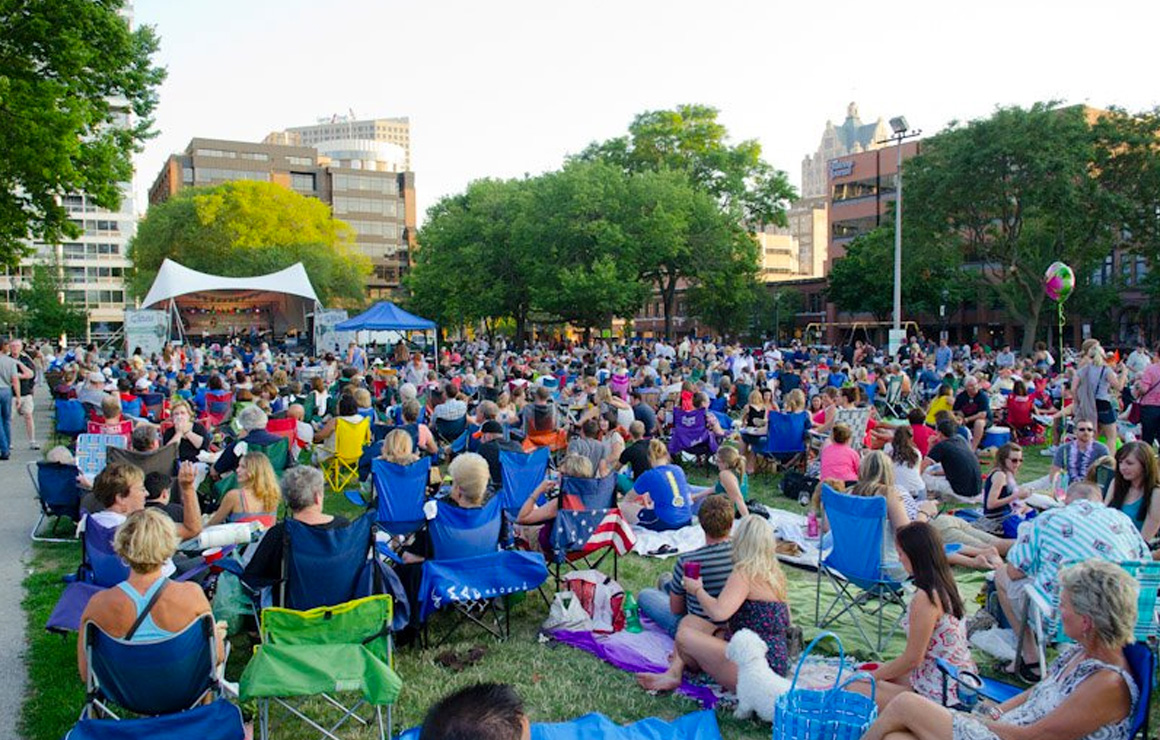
(341, 468)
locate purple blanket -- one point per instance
(644, 652)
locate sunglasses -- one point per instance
(1085, 429)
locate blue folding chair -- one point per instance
(785, 439)
(58, 494)
(522, 473)
(153, 405)
(70, 418)
(150, 677)
(467, 441)
(219, 720)
(447, 431)
(132, 408)
(100, 568)
(854, 568)
(469, 573)
(584, 504)
(400, 492)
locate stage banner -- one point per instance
(326, 339)
(148, 330)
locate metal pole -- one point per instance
(898, 243)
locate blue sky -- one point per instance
(499, 89)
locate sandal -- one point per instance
(1029, 674)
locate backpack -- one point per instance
(601, 597)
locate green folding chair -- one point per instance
(279, 454)
(331, 650)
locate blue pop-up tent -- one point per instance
(386, 316)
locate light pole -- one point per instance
(901, 132)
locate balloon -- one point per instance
(1059, 281)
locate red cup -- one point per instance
(212, 555)
(693, 569)
(868, 667)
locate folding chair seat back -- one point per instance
(479, 577)
(201, 380)
(219, 720)
(162, 460)
(345, 647)
(552, 439)
(870, 390)
(153, 677)
(400, 492)
(450, 429)
(153, 405)
(857, 523)
(457, 532)
(101, 565)
(325, 567)
(199, 398)
(587, 494)
(70, 418)
(132, 408)
(786, 433)
(1147, 575)
(1019, 413)
(690, 429)
(719, 404)
(92, 452)
(219, 406)
(468, 441)
(1142, 664)
(56, 489)
(522, 473)
(286, 427)
(277, 452)
(123, 428)
(857, 419)
(724, 420)
(351, 438)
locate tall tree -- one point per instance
(46, 313)
(77, 92)
(733, 181)
(477, 260)
(247, 228)
(1013, 193)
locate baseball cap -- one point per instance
(96, 378)
(142, 384)
(491, 427)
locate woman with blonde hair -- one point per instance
(754, 598)
(146, 541)
(256, 498)
(399, 448)
(795, 401)
(731, 480)
(662, 492)
(754, 425)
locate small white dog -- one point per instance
(758, 687)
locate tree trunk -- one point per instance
(668, 299)
(521, 327)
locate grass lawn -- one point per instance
(557, 682)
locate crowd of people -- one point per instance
(926, 421)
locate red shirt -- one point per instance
(922, 437)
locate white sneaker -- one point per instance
(1048, 451)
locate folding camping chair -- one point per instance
(153, 406)
(321, 652)
(447, 431)
(286, 427)
(341, 468)
(588, 522)
(100, 568)
(278, 454)
(400, 493)
(327, 575)
(92, 452)
(70, 418)
(57, 493)
(691, 434)
(163, 460)
(218, 720)
(854, 568)
(150, 677)
(785, 439)
(522, 473)
(219, 407)
(469, 573)
(891, 403)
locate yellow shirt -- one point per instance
(937, 404)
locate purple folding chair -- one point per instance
(691, 434)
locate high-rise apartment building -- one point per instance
(363, 181)
(396, 131)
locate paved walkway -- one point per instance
(20, 512)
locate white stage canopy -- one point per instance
(213, 305)
(174, 280)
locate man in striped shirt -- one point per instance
(1082, 529)
(667, 606)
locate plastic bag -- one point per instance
(230, 602)
(567, 613)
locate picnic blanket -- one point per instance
(789, 527)
(648, 652)
(696, 726)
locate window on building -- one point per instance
(219, 153)
(187, 175)
(300, 161)
(1103, 273)
(210, 174)
(303, 182)
(256, 156)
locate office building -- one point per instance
(361, 180)
(851, 137)
(395, 131)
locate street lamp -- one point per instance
(902, 132)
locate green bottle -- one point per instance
(631, 613)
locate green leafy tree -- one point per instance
(247, 228)
(477, 261)
(775, 310)
(77, 92)
(1013, 193)
(726, 291)
(46, 313)
(693, 192)
(1127, 166)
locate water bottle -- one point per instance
(812, 525)
(804, 499)
(1061, 485)
(631, 613)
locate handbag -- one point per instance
(829, 714)
(794, 484)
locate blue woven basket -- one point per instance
(833, 714)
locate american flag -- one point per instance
(587, 531)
